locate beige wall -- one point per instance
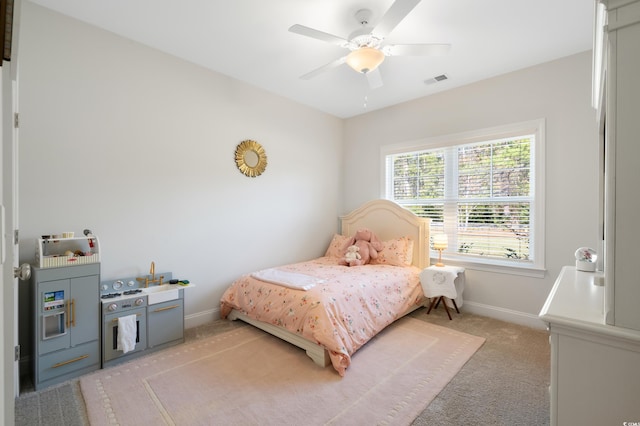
(559, 92)
(139, 147)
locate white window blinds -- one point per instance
(480, 194)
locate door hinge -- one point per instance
(16, 237)
(17, 353)
(16, 120)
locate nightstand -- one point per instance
(440, 282)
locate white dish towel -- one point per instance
(127, 333)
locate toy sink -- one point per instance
(161, 293)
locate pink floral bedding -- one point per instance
(344, 312)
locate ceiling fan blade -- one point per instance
(427, 49)
(324, 68)
(393, 16)
(318, 35)
(374, 78)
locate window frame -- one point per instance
(535, 268)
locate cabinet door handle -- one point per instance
(63, 363)
(67, 313)
(166, 308)
(116, 320)
(73, 312)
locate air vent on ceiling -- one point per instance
(436, 79)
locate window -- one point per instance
(483, 189)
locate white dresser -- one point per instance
(595, 367)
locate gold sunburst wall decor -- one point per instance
(251, 158)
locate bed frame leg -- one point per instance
(320, 356)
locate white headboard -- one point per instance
(388, 220)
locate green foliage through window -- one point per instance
(480, 193)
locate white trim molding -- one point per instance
(508, 315)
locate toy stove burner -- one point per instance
(135, 291)
(110, 295)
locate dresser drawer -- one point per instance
(69, 360)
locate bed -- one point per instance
(341, 307)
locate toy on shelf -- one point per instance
(53, 251)
(586, 259)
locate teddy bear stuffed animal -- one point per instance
(368, 243)
(352, 257)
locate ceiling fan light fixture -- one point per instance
(365, 59)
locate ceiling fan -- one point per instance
(367, 46)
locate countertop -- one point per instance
(577, 300)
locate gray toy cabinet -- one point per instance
(166, 323)
(66, 308)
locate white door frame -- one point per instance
(6, 328)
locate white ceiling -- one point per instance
(249, 40)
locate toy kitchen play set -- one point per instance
(82, 324)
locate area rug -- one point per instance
(248, 377)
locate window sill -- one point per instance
(493, 266)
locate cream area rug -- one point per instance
(247, 377)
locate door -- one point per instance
(85, 309)
(9, 371)
(110, 350)
(165, 322)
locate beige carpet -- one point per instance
(246, 376)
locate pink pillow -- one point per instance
(396, 252)
(337, 246)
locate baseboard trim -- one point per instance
(200, 318)
(509, 315)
